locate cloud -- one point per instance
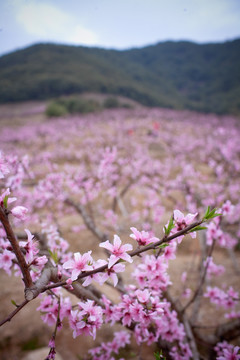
(83, 36)
(47, 22)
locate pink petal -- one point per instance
(75, 274)
(106, 245)
(114, 279)
(112, 260)
(69, 264)
(126, 257)
(117, 241)
(127, 247)
(178, 215)
(77, 257)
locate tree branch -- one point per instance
(10, 316)
(87, 220)
(132, 253)
(16, 248)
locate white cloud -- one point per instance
(81, 35)
(47, 22)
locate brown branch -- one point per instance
(16, 248)
(136, 252)
(87, 220)
(49, 273)
(187, 325)
(228, 331)
(197, 302)
(10, 316)
(123, 192)
(83, 293)
(201, 283)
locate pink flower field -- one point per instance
(120, 234)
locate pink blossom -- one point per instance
(30, 247)
(170, 251)
(136, 311)
(213, 268)
(6, 193)
(4, 170)
(213, 232)
(227, 351)
(118, 251)
(112, 273)
(87, 320)
(143, 295)
(226, 299)
(182, 221)
(142, 237)
(186, 293)
(6, 260)
(227, 208)
(40, 261)
(98, 276)
(79, 264)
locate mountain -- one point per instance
(180, 75)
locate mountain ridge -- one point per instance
(173, 74)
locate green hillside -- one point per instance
(170, 74)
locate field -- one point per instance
(92, 176)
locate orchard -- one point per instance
(125, 222)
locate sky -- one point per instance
(118, 24)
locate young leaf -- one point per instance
(159, 356)
(197, 228)
(162, 246)
(210, 214)
(53, 256)
(14, 303)
(5, 201)
(206, 212)
(170, 226)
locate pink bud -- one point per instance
(69, 281)
(19, 212)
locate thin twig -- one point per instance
(87, 220)
(199, 288)
(10, 316)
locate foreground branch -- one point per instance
(16, 248)
(133, 253)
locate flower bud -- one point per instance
(19, 212)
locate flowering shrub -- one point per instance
(114, 185)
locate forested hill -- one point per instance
(170, 74)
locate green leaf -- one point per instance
(5, 201)
(14, 303)
(162, 246)
(53, 255)
(197, 228)
(159, 356)
(210, 214)
(170, 226)
(207, 212)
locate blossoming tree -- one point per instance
(114, 181)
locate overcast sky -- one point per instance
(118, 24)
